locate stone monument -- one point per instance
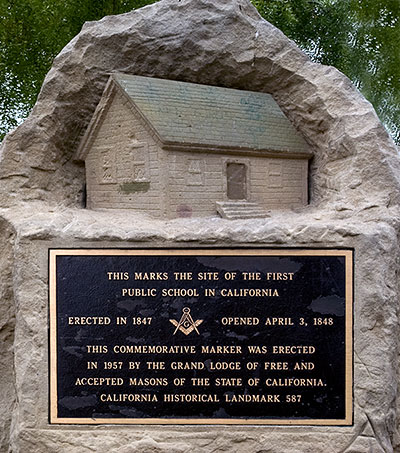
(352, 213)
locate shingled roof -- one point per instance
(203, 116)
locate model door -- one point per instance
(236, 181)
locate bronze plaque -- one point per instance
(216, 336)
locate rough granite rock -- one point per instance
(354, 203)
(375, 324)
(212, 42)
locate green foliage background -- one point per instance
(360, 37)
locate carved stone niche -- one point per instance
(175, 149)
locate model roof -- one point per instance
(195, 116)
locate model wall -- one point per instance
(123, 164)
(197, 181)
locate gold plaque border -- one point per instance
(349, 263)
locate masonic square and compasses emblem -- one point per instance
(186, 324)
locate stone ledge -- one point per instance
(37, 221)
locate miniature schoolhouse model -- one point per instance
(174, 149)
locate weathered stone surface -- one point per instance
(213, 42)
(354, 203)
(375, 325)
(7, 328)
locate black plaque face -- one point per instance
(201, 336)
